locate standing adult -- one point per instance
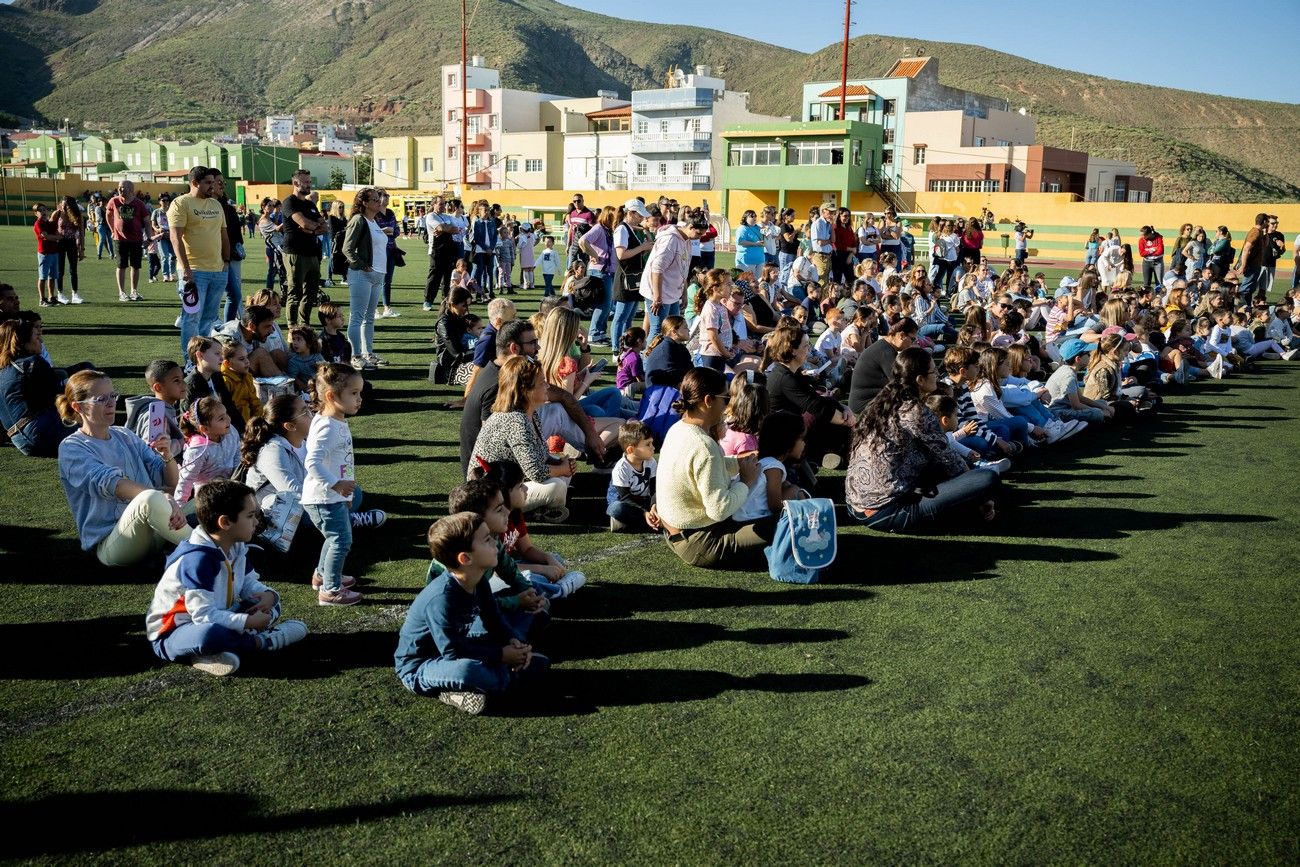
(598, 244)
(576, 223)
(874, 368)
(1274, 249)
(771, 232)
(103, 233)
(845, 241)
(972, 244)
(902, 471)
(666, 270)
(1151, 247)
(366, 248)
(127, 216)
(750, 244)
(697, 490)
(632, 246)
(821, 240)
(445, 247)
(303, 226)
(1251, 266)
(787, 245)
(163, 231)
(891, 237)
(72, 244)
(198, 227)
(235, 244)
(387, 222)
(47, 256)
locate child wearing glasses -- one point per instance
(116, 484)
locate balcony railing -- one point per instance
(477, 140)
(685, 97)
(672, 142)
(694, 182)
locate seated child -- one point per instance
(206, 380)
(210, 606)
(474, 326)
(523, 609)
(304, 355)
(240, 383)
(944, 408)
(632, 483)
(780, 441)
(166, 383)
(1068, 402)
(547, 572)
(334, 345)
(745, 413)
(630, 379)
(453, 643)
(211, 447)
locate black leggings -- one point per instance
(68, 263)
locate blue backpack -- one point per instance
(804, 543)
(656, 410)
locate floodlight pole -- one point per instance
(844, 62)
(464, 100)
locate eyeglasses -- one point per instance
(103, 399)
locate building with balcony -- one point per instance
(673, 144)
(597, 158)
(798, 164)
(280, 127)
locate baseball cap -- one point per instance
(1115, 329)
(1061, 293)
(1074, 347)
(1068, 282)
(634, 206)
(190, 297)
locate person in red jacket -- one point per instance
(845, 240)
(1151, 247)
(47, 256)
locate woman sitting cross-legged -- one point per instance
(696, 493)
(115, 483)
(513, 433)
(902, 472)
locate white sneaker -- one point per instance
(216, 664)
(471, 703)
(328, 284)
(377, 360)
(121, 296)
(361, 363)
(1078, 425)
(1055, 430)
(61, 299)
(77, 299)
(998, 467)
(390, 313)
(369, 519)
(283, 634)
(570, 583)
(1290, 354)
(177, 323)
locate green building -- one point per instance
(184, 155)
(140, 156)
(46, 149)
(773, 160)
(260, 164)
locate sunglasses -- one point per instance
(110, 399)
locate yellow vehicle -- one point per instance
(406, 207)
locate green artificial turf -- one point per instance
(1108, 677)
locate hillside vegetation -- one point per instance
(138, 66)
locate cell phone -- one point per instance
(157, 420)
(599, 366)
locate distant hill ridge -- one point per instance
(118, 63)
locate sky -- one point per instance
(1195, 45)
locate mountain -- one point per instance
(149, 64)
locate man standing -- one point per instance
(303, 226)
(198, 228)
(580, 219)
(1251, 265)
(446, 241)
(235, 240)
(1274, 249)
(821, 233)
(127, 216)
(1151, 247)
(666, 270)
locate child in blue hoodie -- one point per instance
(453, 643)
(210, 605)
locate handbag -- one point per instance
(804, 543)
(282, 512)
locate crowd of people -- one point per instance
(828, 345)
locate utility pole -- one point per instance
(464, 100)
(844, 62)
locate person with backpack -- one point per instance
(632, 245)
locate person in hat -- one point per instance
(1068, 402)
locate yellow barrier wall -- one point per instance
(17, 195)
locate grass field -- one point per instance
(1111, 677)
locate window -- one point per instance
(663, 127)
(452, 116)
(663, 170)
(761, 153)
(889, 136)
(451, 79)
(475, 162)
(153, 159)
(475, 124)
(887, 157)
(1053, 188)
(426, 164)
(975, 186)
(691, 124)
(397, 166)
(512, 165)
(234, 163)
(642, 169)
(817, 153)
(690, 168)
(857, 153)
(532, 165)
(918, 156)
(383, 166)
(979, 141)
(642, 127)
(494, 121)
(889, 106)
(1003, 143)
(100, 155)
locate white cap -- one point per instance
(634, 206)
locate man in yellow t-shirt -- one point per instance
(198, 234)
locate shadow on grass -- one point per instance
(103, 647)
(598, 639)
(616, 599)
(886, 560)
(113, 820)
(61, 561)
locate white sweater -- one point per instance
(329, 460)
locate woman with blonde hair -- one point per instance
(560, 358)
(598, 244)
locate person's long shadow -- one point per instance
(110, 646)
(1114, 522)
(880, 560)
(62, 562)
(617, 600)
(113, 820)
(598, 639)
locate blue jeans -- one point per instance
(629, 514)
(472, 675)
(484, 272)
(1015, 428)
(234, 285)
(1090, 414)
(604, 403)
(600, 315)
(624, 316)
(334, 520)
(327, 252)
(1035, 412)
(168, 255)
(938, 332)
(784, 261)
(981, 445)
(657, 319)
(202, 639)
(1250, 281)
(388, 280)
(905, 513)
(364, 289)
(212, 288)
(105, 240)
(549, 289)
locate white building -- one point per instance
(597, 158)
(673, 143)
(279, 127)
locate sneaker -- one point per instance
(471, 703)
(360, 363)
(570, 583)
(1055, 430)
(317, 582)
(369, 519)
(998, 467)
(1017, 448)
(77, 299)
(831, 461)
(328, 284)
(1078, 425)
(121, 296)
(1290, 354)
(390, 313)
(341, 597)
(555, 515)
(60, 298)
(428, 308)
(616, 526)
(136, 296)
(283, 634)
(177, 323)
(216, 664)
(44, 303)
(377, 360)
(1271, 356)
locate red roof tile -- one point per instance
(908, 67)
(851, 90)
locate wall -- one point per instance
(17, 195)
(389, 149)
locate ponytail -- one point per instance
(77, 389)
(200, 413)
(329, 376)
(670, 323)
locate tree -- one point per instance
(337, 178)
(364, 174)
